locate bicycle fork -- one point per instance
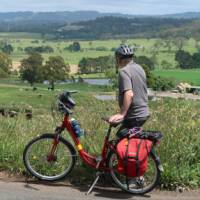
(51, 157)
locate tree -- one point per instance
(166, 65)
(55, 69)
(30, 68)
(83, 66)
(75, 47)
(5, 64)
(196, 60)
(158, 44)
(197, 45)
(168, 45)
(149, 75)
(3, 74)
(179, 42)
(184, 59)
(111, 75)
(143, 60)
(7, 49)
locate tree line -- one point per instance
(33, 69)
(96, 65)
(119, 27)
(104, 63)
(186, 60)
(39, 49)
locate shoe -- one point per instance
(136, 182)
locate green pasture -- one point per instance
(19, 35)
(145, 47)
(190, 76)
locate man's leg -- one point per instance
(128, 124)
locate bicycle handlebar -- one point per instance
(72, 92)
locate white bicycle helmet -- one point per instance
(124, 51)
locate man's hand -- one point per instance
(116, 118)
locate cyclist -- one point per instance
(133, 98)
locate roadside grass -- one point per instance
(178, 120)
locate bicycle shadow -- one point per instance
(100, 190)
(110, 192)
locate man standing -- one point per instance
(133, 98)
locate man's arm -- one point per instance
(128, 98)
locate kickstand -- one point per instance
(93, 184)
(98, 159)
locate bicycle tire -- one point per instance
(42, 170)
(115, 176)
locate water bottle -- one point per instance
(75, 125)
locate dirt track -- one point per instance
(175, 95)
(13, 190)
(18, 188)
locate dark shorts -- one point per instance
(130, 123)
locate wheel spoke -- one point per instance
(136, 185)
(41, 163)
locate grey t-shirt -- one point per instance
(132, 77)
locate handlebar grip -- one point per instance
(73, 92)
(106, 119)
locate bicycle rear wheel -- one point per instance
(138, 185)
(47, 161)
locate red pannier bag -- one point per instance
(133, 156)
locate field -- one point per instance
(179, 120)
(190, 76)
(145, 47)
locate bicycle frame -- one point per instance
(91, 161)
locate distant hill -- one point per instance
(46, 21)
(95, 25)
(67, 16)
(118, 27)
(187, 15)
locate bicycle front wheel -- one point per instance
(135, 185)
(48, 160)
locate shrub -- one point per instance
(163, 84)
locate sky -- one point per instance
(138, 7)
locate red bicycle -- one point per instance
(50, 157)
